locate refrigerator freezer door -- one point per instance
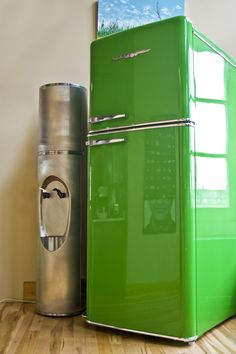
(140, 239)
(148, 64)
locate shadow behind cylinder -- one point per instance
(62, 180)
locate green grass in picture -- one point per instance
(113, 27)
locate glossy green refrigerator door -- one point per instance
(140, 75)
(141, 236)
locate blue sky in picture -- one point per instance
(130, 13)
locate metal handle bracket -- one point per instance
(99, 119)
(105, 142)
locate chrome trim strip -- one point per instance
(213, 48)
(149, 124)
(104, 142)
(140, 127)
(58, 152)
(131, 55)
(187, 340)
(99, 119)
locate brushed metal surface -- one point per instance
(63, 117)
(59, 152)
(61, 261)
(60, 272)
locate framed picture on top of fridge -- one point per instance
(119, 15)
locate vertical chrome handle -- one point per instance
(99, 119)
(105, 142)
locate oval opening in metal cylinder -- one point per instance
(54, 212)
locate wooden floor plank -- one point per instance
(79, 335)
(23, 331)
(10, 315)
(19, 333)
(116, 343)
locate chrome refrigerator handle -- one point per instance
(105, 142)
(99, 119)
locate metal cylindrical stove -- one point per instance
(61, 271)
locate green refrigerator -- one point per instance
(162, 182)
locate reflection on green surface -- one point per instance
(209, 74)
(211, 132)
(134, 232)
(215, 158)
(211, 127)
(159, 182)
(212, 182)
(109, 185)
(160, 218)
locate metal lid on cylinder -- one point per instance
(63, 117)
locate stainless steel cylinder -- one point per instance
(61, 270)
(62, 109)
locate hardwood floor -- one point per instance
(23, 331)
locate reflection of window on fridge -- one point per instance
(211, 127)
(160, 182)
(209, 75)
(211, 155)
(109, 186)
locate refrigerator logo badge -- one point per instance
(131, 55)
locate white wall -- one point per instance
(41, 41)
(46, 41)
(215, 19)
